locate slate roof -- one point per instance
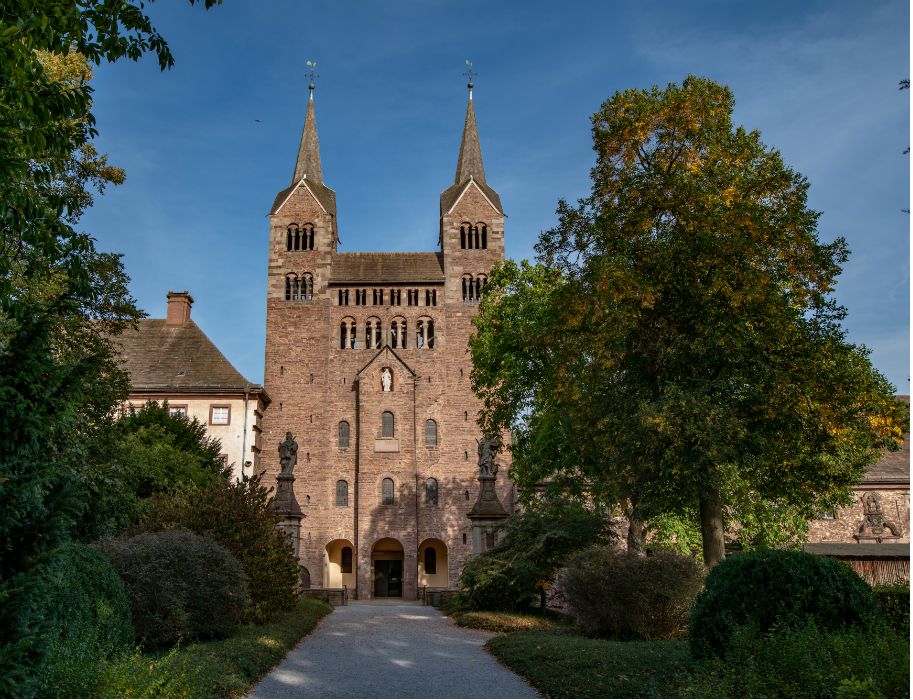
(160, 357)
(893, 467)
(349, 268)
(452, 194)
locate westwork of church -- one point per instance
(368, 369)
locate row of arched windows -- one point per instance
(300, 238)
(387, 430)
(398, 334)
(473, 287)
(387, 495)
(299, 288)
(472, 237)
(359, 297)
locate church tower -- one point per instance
(368, 367)
(472, 219)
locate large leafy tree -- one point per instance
(679, 348)
(59, 297)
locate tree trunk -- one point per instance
(712, 527)
(636, 529)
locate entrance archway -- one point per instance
(339, 565)
(432, 564)
(387, 568)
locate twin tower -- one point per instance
(368, 367)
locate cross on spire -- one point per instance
(469, 73)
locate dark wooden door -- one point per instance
(388, 578)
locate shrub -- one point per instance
(894, 602)
(615, 595)
(237, 516)
(89, 616)
(775, 589)
(180, 585)
(805, 662)
(490, 583)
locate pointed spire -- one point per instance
(469, 162)
(308, 163)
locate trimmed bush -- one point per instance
(237, 516)
(180, 585)
(803, 662)
(625, 597)
(776, 589)
(894, 602)
(490, 583)
(89, 616)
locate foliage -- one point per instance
(146, 452)
(221, 669)
(60, 299)
(237, 516)
(534, 544)
(777, 589)
(805, 662)
(570, 666)
(678, 347)
(894, 602)
(89, 614)
(181, 585)
(503, 622)
(626, 597)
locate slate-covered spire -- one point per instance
(469, 162)
(308, 163)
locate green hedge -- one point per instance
(894, 602)
(89, 614)
(181, 586)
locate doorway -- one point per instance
(388, 578)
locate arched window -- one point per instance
(346, 561)
(398, 330)
(343, 332)
(463, 232)
(307, 286)
(353, 336)
(386, 425)
(386, 492)
(369, 334)
(431, 492)
(475, 236)
(481, 281)
(288, 287)
(420, 334)
(484, 236)
(343, 434)
(430, 433)
(297, 245)
(429, 334)
(347, 334)
(288, 238)
(430, 560)
(468, 288)
(342, 493)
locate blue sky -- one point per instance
(818, 79)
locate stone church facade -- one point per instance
(367, 366)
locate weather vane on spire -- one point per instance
(312, 73)
(469, 73)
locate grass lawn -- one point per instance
(222, 669)
(568, 666)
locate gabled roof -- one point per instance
(452, 194)
(385, 350)
(417, 268)
(162, 357)
(323, 194)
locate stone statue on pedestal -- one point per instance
(288, 454)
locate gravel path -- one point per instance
(384, 650)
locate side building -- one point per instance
(368, 367)
(171, 359)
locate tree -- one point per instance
(59, 297)
(693, 347)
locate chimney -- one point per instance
(179, 304)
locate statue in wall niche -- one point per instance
(874, 523)
(288, 454)
(488, 448)
(386, 379)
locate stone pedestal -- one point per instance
(286, 505)
(486, 515)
